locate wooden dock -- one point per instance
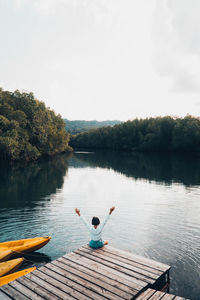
(106, 273)
(151, 294)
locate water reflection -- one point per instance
(164, 168)
(25, 183)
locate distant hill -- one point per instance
(78, 126)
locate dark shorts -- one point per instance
(96, 244)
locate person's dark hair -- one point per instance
(95, 221)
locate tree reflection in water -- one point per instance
(160, 167)
(26, 183)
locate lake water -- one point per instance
(157, 199)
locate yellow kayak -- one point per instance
(5, 254)
(8, 278)
(10, 266)
(18, 247)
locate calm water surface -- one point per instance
(157, 199)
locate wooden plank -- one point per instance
(46, 283)
(157, 296)
(3, 296)
(36, 288)
(151, 294)
(123, 263)
(126, 260)
(119, 294)
(146, 261)
(102, 275)
(84, 283)
(90, 285)
(9, 290)
(44, 274)
(111, 273)
(80, 291)
(118, 277)
(146, 294)
(168, 297)
(24, 290)
(115, 266)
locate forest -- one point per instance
(29, 130)
(78, 126)
(150, 134)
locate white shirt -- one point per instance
(95, 233)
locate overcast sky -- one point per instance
(103, 59)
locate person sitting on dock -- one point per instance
(96, 230)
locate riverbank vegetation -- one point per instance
(150, 134)
(29, 130)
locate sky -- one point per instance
(103, 59)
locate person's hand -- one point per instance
(111, 210)
(77, 211)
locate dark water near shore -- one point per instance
(157, 199)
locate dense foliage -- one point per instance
(151, 134)
(77, 126)
(28, 129)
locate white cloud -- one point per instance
(44, 7)
(92, 59)
(99, 8)
(176, 34)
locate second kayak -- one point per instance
(10, 266)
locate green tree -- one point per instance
(28, 129)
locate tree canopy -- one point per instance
(29, 130)
(150, 134)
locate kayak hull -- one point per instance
(19, 247)
(10, 266)
(5, 255)
(8, 278)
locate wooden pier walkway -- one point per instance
(106, 273)
(151, 294)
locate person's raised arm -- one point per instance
(111, 210)
(82, 218)
(77, 211)
(107, 217)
